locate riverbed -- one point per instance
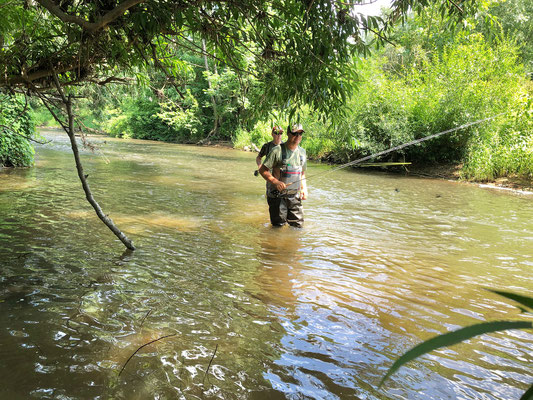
(246, 311)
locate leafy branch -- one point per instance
(8, 128)
(463, 334)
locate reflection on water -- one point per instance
(320, 313)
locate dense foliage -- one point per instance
(305, 47)
(156, 110)
(16, 127)
(513, 19)
(468, 81)
(431, 81)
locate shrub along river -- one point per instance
(383, 262)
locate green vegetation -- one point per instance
(512, 18)
(230, 72)
(305, 48)
(432, 81)
(464, 334)
(16, 127)
(468, 81)
(158, 111)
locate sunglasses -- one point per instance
(297, 133)
(277, 133)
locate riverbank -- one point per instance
(452, 172)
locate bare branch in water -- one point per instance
(146, 316)
(68, 126)
(146, 344)
(207, 370)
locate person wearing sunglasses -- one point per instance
(284, 168)
(277, 131)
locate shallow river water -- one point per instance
(383, 262)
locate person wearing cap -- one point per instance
(284, 168)
(277, 131)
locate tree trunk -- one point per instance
(213, 101)
(83, 178)
(69, 129)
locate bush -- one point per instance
(259, 135)
(16, 126)
(117, 124)
(145, 123)
(182, 118)
(138, 119)
(469, 81)
(504, 149)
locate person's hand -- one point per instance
(303, 194)
(280, 186)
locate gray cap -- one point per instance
(297, 128)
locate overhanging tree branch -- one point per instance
(8, 128)
(91, 27)
(69, 129)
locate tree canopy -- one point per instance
(302, 49)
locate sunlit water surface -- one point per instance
(383, 263)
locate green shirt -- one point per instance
(274, 162)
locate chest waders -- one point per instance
(290, 175)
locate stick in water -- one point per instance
(207, 370)
(146, 344)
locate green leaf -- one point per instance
(528, 394)
(452, 338)
(524, 300)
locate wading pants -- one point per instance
(286, 210)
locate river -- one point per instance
(383, 262)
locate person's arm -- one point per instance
(261, 154)
(303, 187)
(265, 173)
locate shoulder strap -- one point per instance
(283, 152)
